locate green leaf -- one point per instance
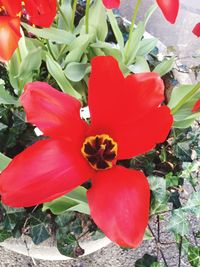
(178, 223)
(158, 197)
(30, 62)
(97, 20)
(164, 67)
(38, 227)
(182, 94)
(132, 46)
(5, 97)
(193, 204)
(56, 71)
(76, 71)
(140, 65)
(147, 235)
(4, 235)
(146, 261)
(12, 217)
(4, 161)
(78, 48)
(116, 30)
(53, 34)
(74, 201)
(146, 46)
(194, 255)
(171, 180)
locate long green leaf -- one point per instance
(53, 34)
(4, 161)
(56, 71)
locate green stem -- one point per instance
(50, 51)
(132, 26)
(87, 16)
(185, 98)
(73, 14)
(63, 16)
(134, 19)
(19, 59)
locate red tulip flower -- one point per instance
(196, 30)
(196, 106)
(111, 3)
(169, 9)
(127, 119)
(40, 13)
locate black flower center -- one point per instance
(100, 151)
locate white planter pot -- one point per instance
(47, 249)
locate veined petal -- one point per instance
(12, 7)
(130, 107)
(54, 113)
(111, 3)
(196, 106)
(196, 30)
(9, 36)
(43, 172)
(119, 204)
(140, 137)
(41, 12)
(169, 9)
(115, 98)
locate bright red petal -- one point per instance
(111, 3)
(196, 30)
(169, 9)
(41, 12)
(127, 109)
(119, 204)
(12, 7)
(43, 172)
(55, 113)
(9, 36)
(196, 106)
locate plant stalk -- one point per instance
(73, 13)
(87, 16)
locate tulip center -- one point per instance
(100, 151)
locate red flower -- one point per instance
(126, 120)
(111, 3)
(9, 36)
(196, 106)
(169, 9)
(41, 13)
(196, 30)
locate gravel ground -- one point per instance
(113, 256)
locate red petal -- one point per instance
(169, 9)
(12, 7)
(119, 204)
(196, 30)
(111, 3)
(9, 36)
(196, 106)
(43, 172)
(55, 113)
(127, 109)
(41, 12)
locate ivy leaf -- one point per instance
(194, 255)
(178, 223)
(146, 261)
(193, 204)
(158, 194)
(12, 216)
(4, 235)
(38, 227)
